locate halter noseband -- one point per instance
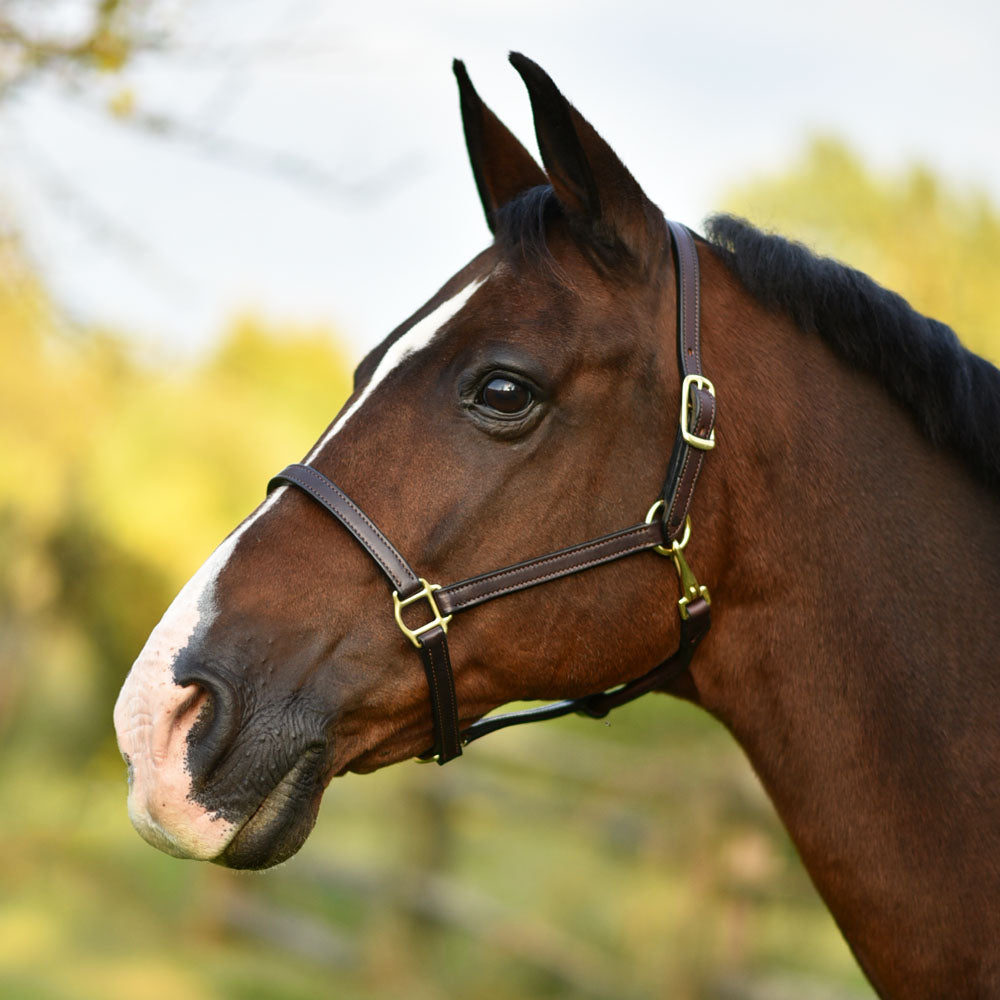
(665, 530)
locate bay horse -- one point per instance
(840, 520)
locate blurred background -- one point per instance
(208, 213)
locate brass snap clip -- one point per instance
(691, 590)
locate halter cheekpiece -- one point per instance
(665, 530)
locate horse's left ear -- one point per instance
(503, 168)
(592, 184)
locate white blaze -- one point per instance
(415, 339)
(153, 714)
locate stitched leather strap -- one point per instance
(433, 643)
(434, 655)
(478, 589)
(686, 460)
(357, 522)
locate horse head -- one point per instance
(529, 404)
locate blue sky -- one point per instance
(350, 199)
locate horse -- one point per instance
(830, 509)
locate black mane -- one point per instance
(953, 394)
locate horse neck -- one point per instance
(854, 648)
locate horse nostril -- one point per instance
(212, 715)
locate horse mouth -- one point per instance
(279, 826)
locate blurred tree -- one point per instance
(94, 56)
(937, 246)
(69, 39)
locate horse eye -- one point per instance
(505, 395)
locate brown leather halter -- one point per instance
(666, 530)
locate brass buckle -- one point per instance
(700, 382)
(691, 590)
(425, 593)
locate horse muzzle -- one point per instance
(207, 785)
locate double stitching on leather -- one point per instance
(333, 498)
(381, 549)
(688, 298)
(620, 544)
(444, 703)
(681, 500)
(685, 464)
(557, 574)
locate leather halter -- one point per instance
(665, 530)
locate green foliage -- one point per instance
(936, 246)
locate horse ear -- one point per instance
(503, 168)
(591, 183)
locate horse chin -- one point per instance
(282, 822)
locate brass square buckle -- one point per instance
(699, 382)
(425, 593)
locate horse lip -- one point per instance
(278, 827)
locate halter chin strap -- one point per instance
(665, 530)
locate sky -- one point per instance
(317, 174)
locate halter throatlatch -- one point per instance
(665, 530)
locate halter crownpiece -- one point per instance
(665, 530)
